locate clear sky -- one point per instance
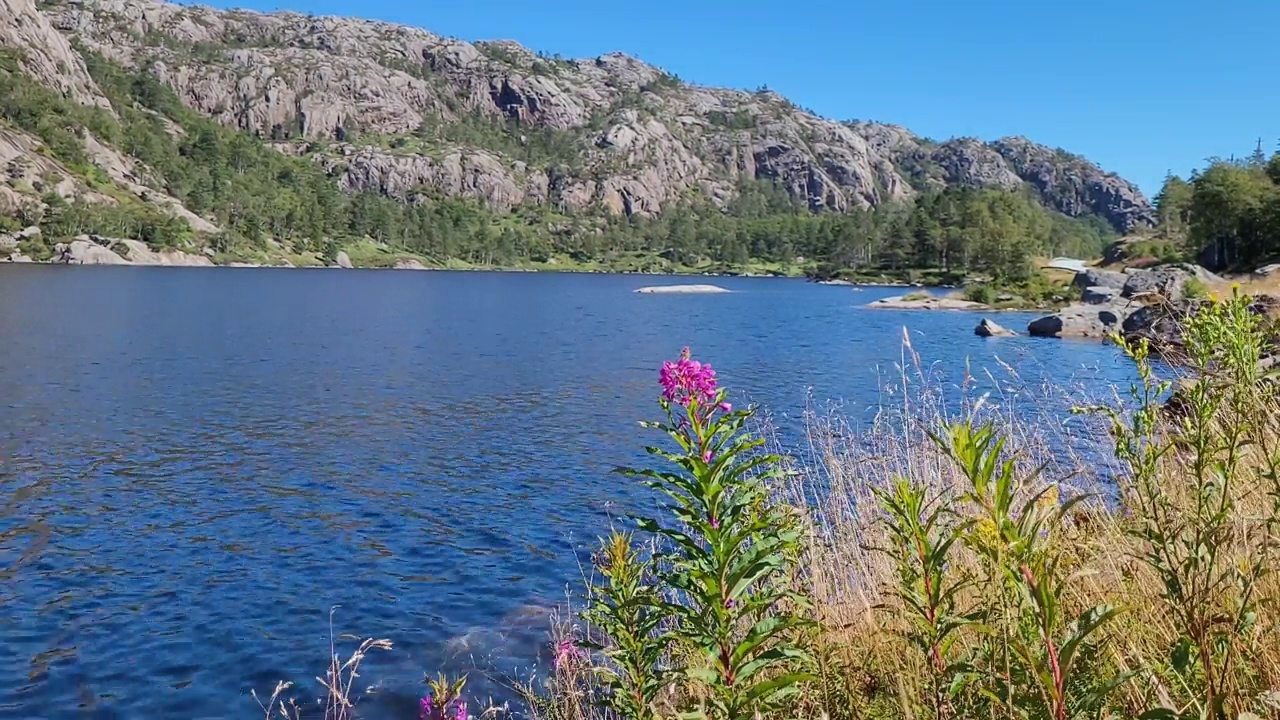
(1138, 86)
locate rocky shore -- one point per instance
(1109, 298)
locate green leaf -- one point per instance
(763, 692)
(1180, 657)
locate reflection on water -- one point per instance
(200, 464)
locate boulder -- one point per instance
(1099, 295)
(988, 328)
(1082, 321)
(1266, 270)
(343, 260)
(1093, 277)
(85, 252)
(409, 264)
(1167, 281)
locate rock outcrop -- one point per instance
(1160, 324)
(98, 250)
(85, 252)
(1082, 321)
(405, 112)
(46, 53)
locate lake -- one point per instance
(217, 457)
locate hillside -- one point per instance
(126, 90)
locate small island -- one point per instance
(681, 290)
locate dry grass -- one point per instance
(1248, 283)
(339, 683)
(848, 579)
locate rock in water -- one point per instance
(988, 328)
(926, 302)
(343, 260)
(681, 289)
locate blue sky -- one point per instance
(1139, 87)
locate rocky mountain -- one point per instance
(402, 111)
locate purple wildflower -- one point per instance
(687, 380)
(715, 524)
(567, 652)
(706, 456)
(726, 407)
(425, 709)
(461, 713)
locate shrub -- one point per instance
(980, 293)
(1195, 288)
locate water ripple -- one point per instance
(201, 464)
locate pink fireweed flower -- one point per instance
(461, 713)
(726, 407)
(706, 456)
(567, 652)
(687, 380)
(425, 709)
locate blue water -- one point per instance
(200, 463)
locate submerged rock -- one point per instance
(988, 328)
(681, 289)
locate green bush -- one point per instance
(980, 293)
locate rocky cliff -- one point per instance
(403, 111)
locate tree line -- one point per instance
(1226, 216)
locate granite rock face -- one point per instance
(378, 105)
